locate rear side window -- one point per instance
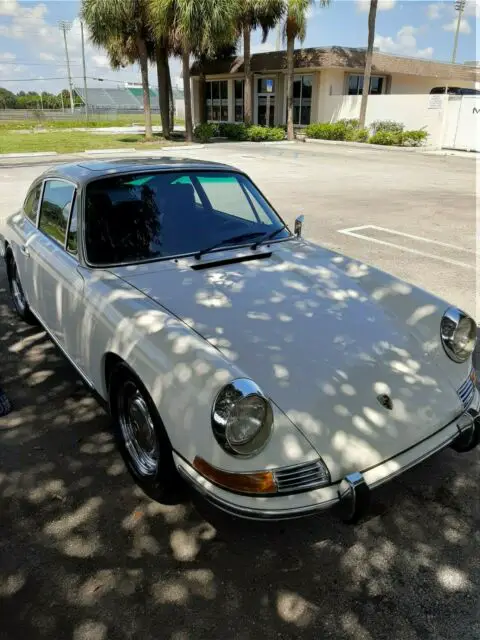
(55, 209)
(31, 203)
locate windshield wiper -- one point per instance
(269, 236)
(239, 238)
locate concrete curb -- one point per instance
(33, 154)
(100, 152)
(365, 145)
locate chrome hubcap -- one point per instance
(138, 430)
(17, 291)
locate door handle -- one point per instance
(25, 250)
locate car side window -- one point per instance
(30, 207)
(55, 209)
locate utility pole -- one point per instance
(85, 90)
(66, 26)
(460, 7)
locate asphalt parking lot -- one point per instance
(87, 556)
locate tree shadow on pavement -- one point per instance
(84, 554)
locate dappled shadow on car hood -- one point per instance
(324, 337)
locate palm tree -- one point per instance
(114, 24)
(252, 14)
(295, 27)
(372, 17)
(196, 27)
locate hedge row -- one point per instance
(238, 131)
(384, 132)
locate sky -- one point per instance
(32, 53)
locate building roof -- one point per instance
(341, 57)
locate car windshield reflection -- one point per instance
(140, 217)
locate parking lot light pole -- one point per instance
(460, 8)
(66, 26)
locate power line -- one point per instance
(117, 81)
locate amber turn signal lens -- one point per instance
(257, 483)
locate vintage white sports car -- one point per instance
(276, 377)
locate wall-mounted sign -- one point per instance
(436, 101)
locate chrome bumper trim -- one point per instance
(252, 513)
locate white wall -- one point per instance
(403, 83)
(414, 111)
(462, 129)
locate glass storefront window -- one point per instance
(355, 85)
(217, 100)
(302, 100)
(239, 84)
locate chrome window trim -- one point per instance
(232, 170)
(75, 188)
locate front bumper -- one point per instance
(352, 493)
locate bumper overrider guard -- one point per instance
(351, 495)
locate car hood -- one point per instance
(325, 338)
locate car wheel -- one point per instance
(141, 437)
(16, 291)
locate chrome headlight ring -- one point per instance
(242, 418)
(459, 334)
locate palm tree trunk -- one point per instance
(143, 58)
(202, 94)
(187, 95)
(163, 89)
(247, 90)
(171, 105)
(372, 16)
(290, 78)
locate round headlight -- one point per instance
(242, 418)
(459, 334)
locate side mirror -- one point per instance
(298, 225)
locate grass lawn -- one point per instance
(93, 123)
(74, 141)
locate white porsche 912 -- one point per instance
(276, 377)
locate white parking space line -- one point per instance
(407, 235)
(352, 231)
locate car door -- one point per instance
(25, 231)
(57, 280)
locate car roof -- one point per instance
(86, 170)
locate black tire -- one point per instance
(155, 472)
(19, 299)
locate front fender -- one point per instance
(182, 372)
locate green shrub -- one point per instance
(232, 130)
(327, 131)
(256, 133)
(357, 135)
(386, 126)
(204, 132)
(350, 123)
(415, 138)
(387, 138)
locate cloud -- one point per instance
(404, 43)
(434, 11)
(464, 26)
(101, 61)
(8, 7)
(383, 5)
(7, 56)
(263, 47)
(37, 31)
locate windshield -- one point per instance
(147, 216)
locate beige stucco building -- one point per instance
(325, 78)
